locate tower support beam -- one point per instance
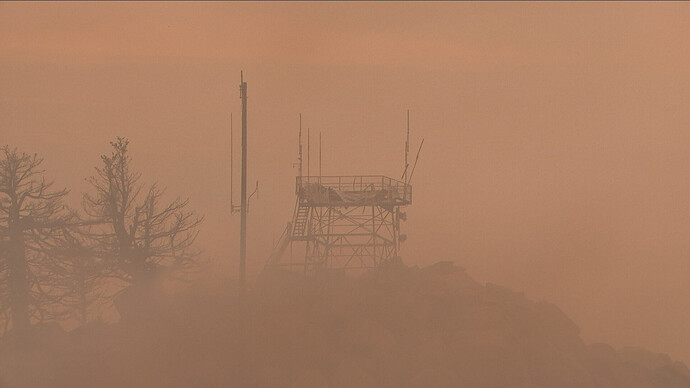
(346, 222)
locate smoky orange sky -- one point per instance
(557, 141)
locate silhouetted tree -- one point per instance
(82, 272)
(31, 216)
(140, 236)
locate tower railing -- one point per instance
(352, 190)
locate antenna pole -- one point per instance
(407, 147)
(308, 152)
(243, 203)
(232, 201)
(416, 159)
(299, 172)
(319, 156)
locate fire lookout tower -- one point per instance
(345, 223)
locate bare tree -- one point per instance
(82, 272)
(31, 215)
(140, 235)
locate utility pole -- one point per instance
(243, 199)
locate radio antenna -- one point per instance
(299, 171)
(232, 201)
(415, 161)
(407, 149)
(319, 156)
(243, 200)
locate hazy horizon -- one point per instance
(555, 159)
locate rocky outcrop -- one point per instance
(398, 327)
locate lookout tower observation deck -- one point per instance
(346, 222)
(362, 190)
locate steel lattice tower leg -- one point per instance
(356, 237)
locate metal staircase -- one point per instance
(343, 222)
(300, 222)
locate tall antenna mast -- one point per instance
(407, 145)
(299, 172)
(416, 159)
(308, 152)
(243, 200)
(232, 201)
(407, 149)
(319, 156)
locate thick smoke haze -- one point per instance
(556, 134)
